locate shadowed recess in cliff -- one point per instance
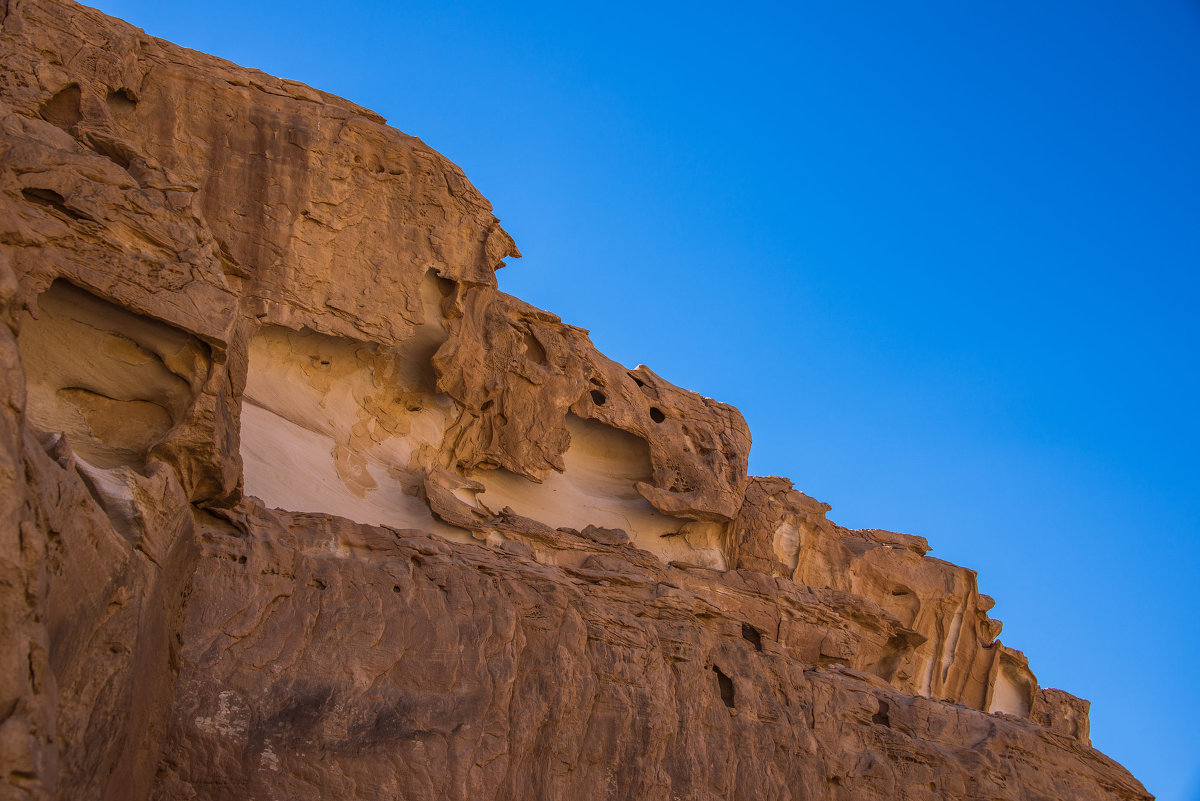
(354, 429)
(1013, 687)
(597, 486)
(338, 426)
(113, 382)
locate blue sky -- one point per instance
(942, 255)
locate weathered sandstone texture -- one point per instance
(295, 504)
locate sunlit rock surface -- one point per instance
(294, 503)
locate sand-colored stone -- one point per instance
(294, 503)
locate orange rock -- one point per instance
(295, 503)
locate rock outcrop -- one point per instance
(295, 503)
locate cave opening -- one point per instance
(752, 636)
(725, 686)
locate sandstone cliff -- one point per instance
(294, 503)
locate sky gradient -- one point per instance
(943, 256)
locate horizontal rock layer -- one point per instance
(296, 503)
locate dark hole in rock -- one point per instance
(487, 404)
(241, 560)
(51, 199)
(111, 150)
(751, 635)
(725, 685)
(656, 414)
(414, 408)
(881, 716)
(63, 109)
(596, 381)
(637, 380)
(533, 348)
(445, 287)
(598, 397)
(121, 101)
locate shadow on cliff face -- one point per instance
(113, 382)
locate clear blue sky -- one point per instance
(942, 255)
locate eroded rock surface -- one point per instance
(294, 503)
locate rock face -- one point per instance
(294, 503)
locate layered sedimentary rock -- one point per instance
(294, 503)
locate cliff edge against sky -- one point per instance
(297, 504)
